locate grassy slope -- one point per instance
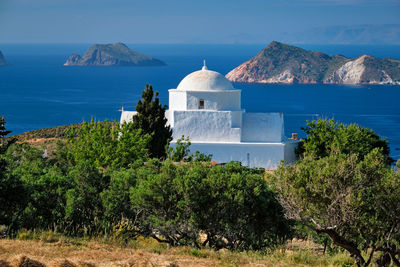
(50, 133)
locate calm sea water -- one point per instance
(38, 92)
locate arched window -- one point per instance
(201, 103)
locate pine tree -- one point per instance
(150, 118)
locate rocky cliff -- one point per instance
(112, 55)
(367, 70)
(3, 61)
(282, 63)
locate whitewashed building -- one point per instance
(207, 108)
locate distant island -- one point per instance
(112, 55)
(3, 61)
(282, 63)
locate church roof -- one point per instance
(205, 80)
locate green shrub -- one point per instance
(231, 204)
(26, 235)
(50, 236)
(198, 253)
(328, 137)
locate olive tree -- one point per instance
(356, 202)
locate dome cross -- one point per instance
(204, 66)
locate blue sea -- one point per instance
(37, 91)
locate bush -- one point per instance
(327, 137)
(231, 204)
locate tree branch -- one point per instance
(338, 240)
(370, 257)
(160, 240)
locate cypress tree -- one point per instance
(4, 144)
(150, 118)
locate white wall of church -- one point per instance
(262, 127)
(214, 100)
(205, 126)
(221, 127)
(177, 100)
(126, 116)
(290, 146)
(259, 155)
(237, 118)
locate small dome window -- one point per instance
(201, 103)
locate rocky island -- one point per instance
(3, 61)
(112, 55)
(282, 63)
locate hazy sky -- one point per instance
(181, 21)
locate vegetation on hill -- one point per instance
(101, 180)
(57, 132)
(104, 178)
(304, 64)
(387, 66)
(97, 182)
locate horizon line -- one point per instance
(183, 43)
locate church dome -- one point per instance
(205, 80)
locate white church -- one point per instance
(207, 108)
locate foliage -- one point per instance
(237, 210)
(116, 197)
(303, 232)
(356, 202)
(159, 197)
(327, 137)
(45, 185)
(99, 158)
(231, 204)
(105, 144)
(3, 133)
(181, 152)
(126, 230)
(12, 191)
(5, 143)
(151, 120)
(51, 132)
(78, 189)
(83, 210)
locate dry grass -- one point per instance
(32, 252)
(146, 252)
(39, 142)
